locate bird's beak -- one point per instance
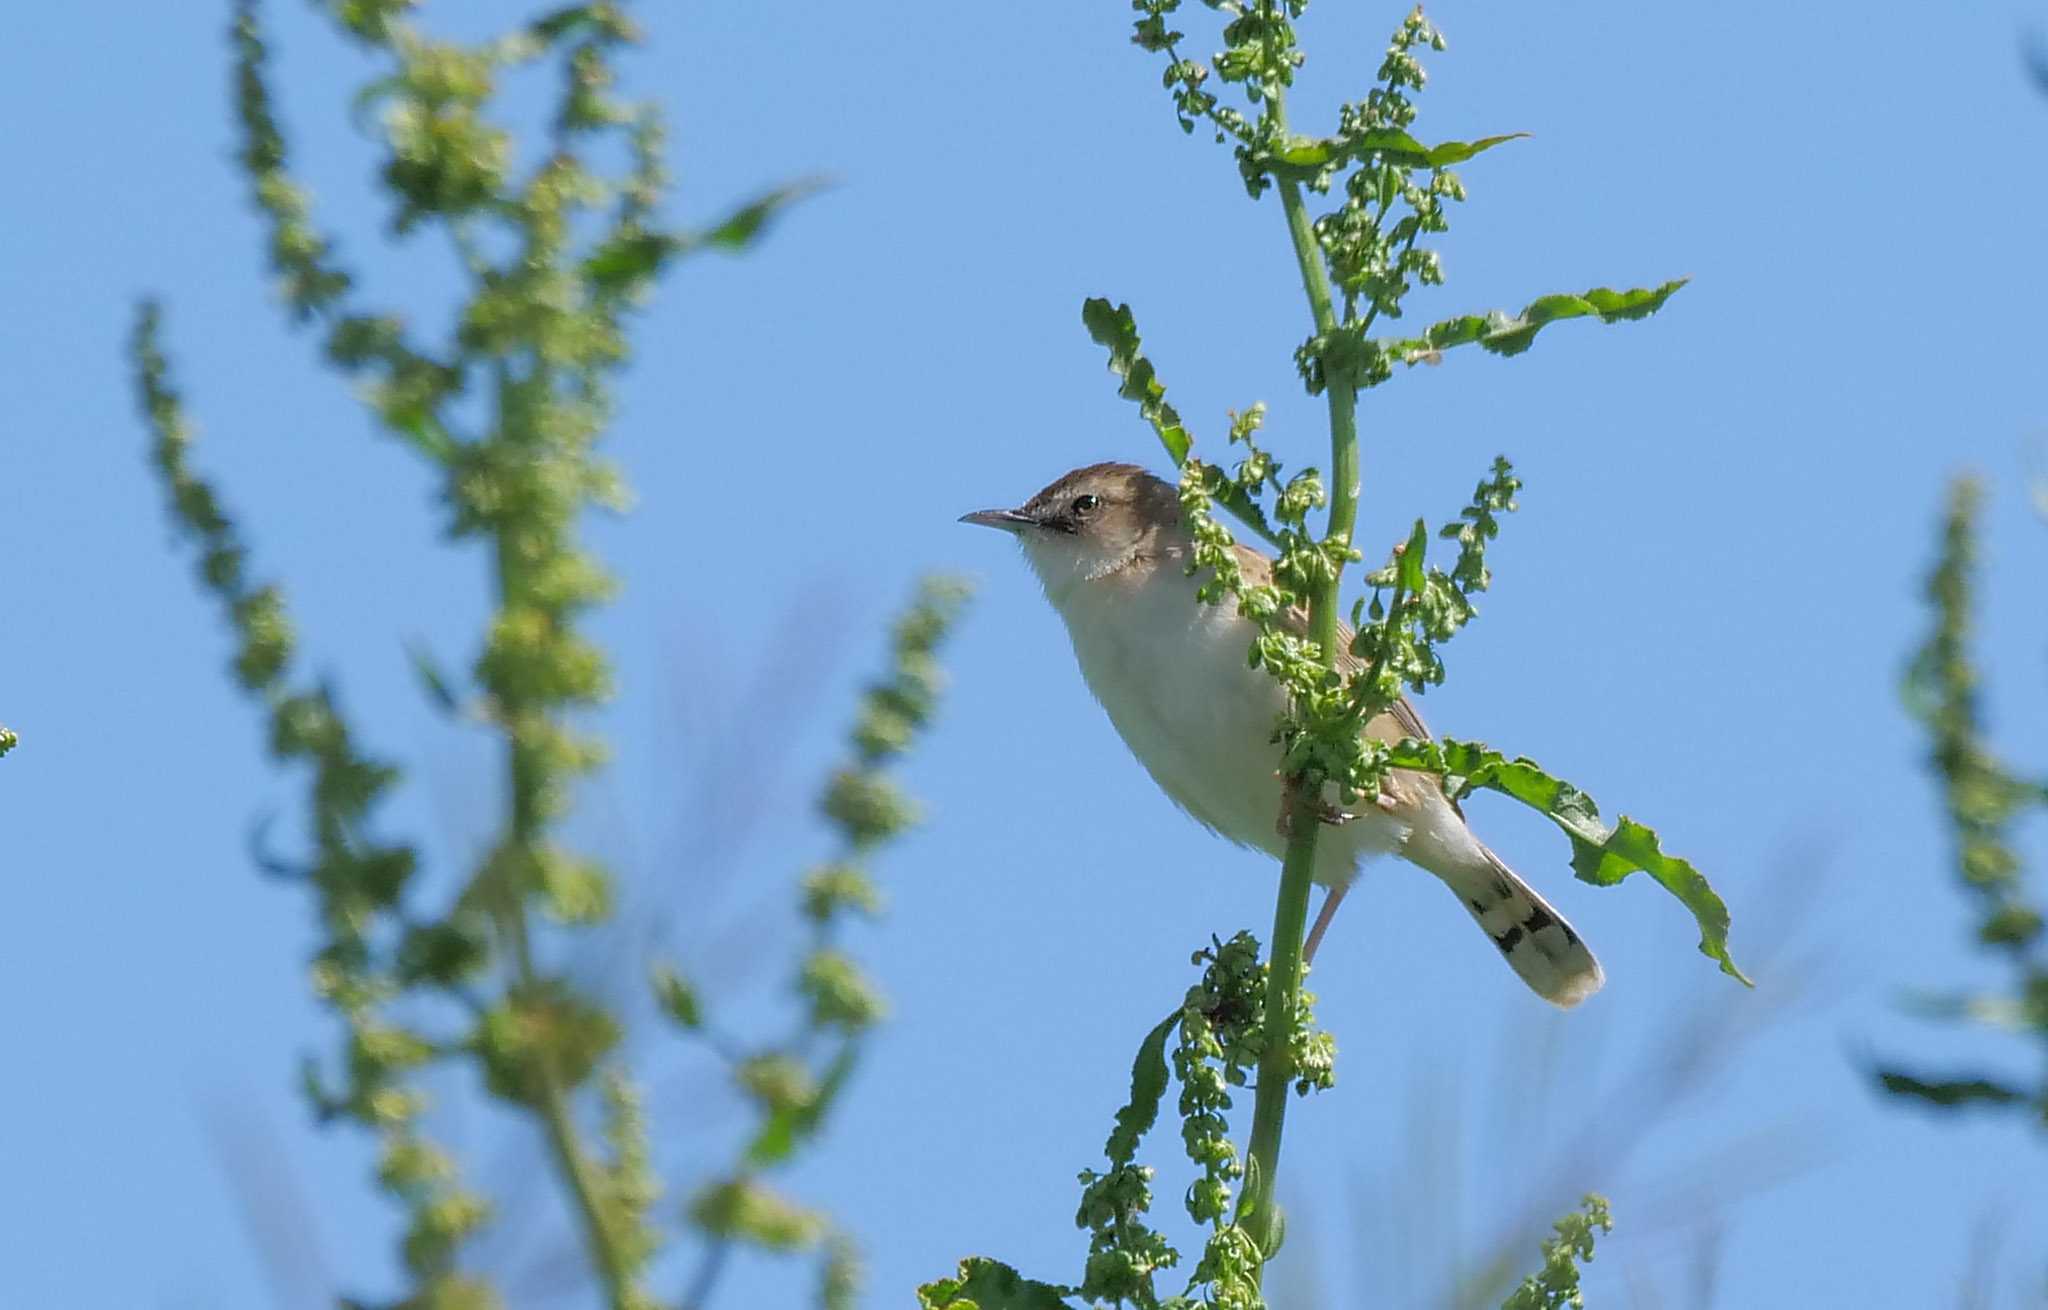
(1009, 520)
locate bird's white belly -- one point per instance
(1173, 676)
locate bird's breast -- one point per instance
(1175, 679)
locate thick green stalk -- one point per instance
(551, 1105)
(1290, 914)
(565, 1145)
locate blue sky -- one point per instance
(1699, 616)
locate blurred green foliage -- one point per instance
(1984, 800)
(553, 259)
(1556, 1285)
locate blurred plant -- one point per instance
(8, 741)
(1984, 800)
(506, 411)
(1556, 1285)
(1357, 263)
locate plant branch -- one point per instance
(1290, 913)
(508, 901)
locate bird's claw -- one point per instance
(1324, 812)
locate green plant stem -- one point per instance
(1290, 913)
(1276, 1062)
(508, 903)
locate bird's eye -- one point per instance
(1084, 505)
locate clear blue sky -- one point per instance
(1699, 615)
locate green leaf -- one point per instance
(1601, 855)
(2007, 1013)
(677, 998)
(1502, 335)
(791, 1124)
(1113, 328)
(741, 228)
(1410, 575)
(1148, 1086)
(1457, 152)
(627, 259)
(424, 433)
(8, 741)
(748, 1210)
(433, 679)
(1556, 1285)
(983, 1284)
(1246, 510)
(1951, 1093)
(562, 22)
(1390, 144)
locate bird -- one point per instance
(1111, 546)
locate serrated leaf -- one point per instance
(983, 1284)
(1601, 855)
(1113, 328)
(1502, 335)
(1148, 1086)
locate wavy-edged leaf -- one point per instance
(984, 1284)
(1601, 855)
(1113, 328)
(1148, 1086)
(1504, 335)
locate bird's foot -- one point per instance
(1324, 812)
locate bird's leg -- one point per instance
(1323, 917)
(1324, 811)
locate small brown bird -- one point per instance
(1108, 545)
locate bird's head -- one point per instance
(1090, 524)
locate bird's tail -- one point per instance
(1534, 938)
